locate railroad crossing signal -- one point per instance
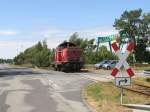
(122, 59)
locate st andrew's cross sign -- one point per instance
(122, 59)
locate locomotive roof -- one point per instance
(66, 44)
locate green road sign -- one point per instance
(105, 39)
(109, 39)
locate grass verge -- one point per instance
(105, 97)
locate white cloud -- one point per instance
(97, 31)
(56, 36)
(7, 32)
(9, 49)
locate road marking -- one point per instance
(54, 85)
(97, 79)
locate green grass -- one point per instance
(144, 81)
(140, 67)
(102, 94)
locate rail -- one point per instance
(138, 88)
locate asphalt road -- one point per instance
(30, 90)
(26, 90)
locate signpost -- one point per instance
(120, 80)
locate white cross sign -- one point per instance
(122, 59)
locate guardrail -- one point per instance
(138, 106)
(146, 71)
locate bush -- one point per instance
(38, 55)
(147, 79)
(93, 57)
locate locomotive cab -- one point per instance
(68, 57)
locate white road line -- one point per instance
(53, 85)
(97, 79)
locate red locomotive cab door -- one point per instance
(59, 56)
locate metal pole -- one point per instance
(134, 59)
(110, 46)
(121, 98)
(97, 47)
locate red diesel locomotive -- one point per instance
(68, 57)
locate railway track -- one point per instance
(138, 88)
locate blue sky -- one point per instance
(24, 22)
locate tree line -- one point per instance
(3, 61)
(38, 55)
(132, 25)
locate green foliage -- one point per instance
(146, 21)
(94, 90)
(97, 56)
(91, 57)
(141, 54)
(129, 22)
(134, 24)
(19, 59)
(130, 58)
(82, 43)
(148, 79)
(136, 27)
(38, 55)
(106, 55)
(2, 61)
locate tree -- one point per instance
(105, 54)
(85, 44)
(128, 23)
(136, 27)
(10, 61)
(147, 22)
(147, 25)
(19, 59)
(88, 47)
(42, 57)
(141, 54)
(38, 55)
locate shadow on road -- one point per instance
(13, 68)
(16, 71)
